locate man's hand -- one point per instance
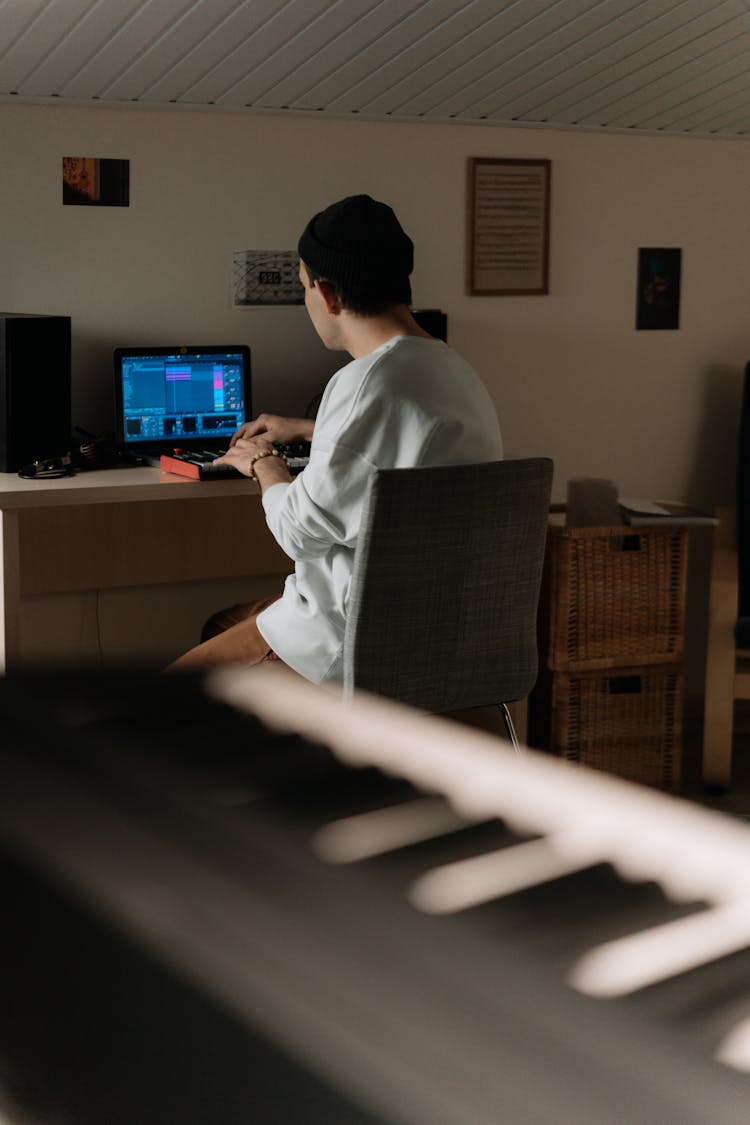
(252, 456)
(275, 429)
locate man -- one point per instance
(405, 399)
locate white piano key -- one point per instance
(480, 879)
(380, 831)
(734, 1049)
(628, 964)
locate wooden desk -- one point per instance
(124, 527)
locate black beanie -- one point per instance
(358, 244)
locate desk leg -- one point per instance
(10, 595)
(718, 716)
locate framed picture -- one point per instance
(509, 203)
(92, 181)
(658, 297)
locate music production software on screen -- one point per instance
(182, 395)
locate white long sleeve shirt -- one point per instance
(413, 401)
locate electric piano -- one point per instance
(238, 899)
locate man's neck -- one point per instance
(363, 334)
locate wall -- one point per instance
(571, 378)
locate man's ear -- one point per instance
(330, 298)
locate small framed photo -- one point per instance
(509, 205)
(658, 297)
(92, 181)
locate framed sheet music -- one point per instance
(509, 202)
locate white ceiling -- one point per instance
(674, 66)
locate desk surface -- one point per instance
(107, 486)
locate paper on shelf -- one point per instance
(643, 507)
(645, 513)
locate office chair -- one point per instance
(728, 648)
(445, 586)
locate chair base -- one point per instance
(505, 712)
(496, 719)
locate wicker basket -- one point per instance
(626, 721)
(614, 596)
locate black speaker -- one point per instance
(34, 388)
(433, 321)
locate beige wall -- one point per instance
(571, 378)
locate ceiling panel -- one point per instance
(616, 54)
(425, 60)
(369, 58)
(672, 66)
(251, 52)
(223, 28)
(676, 59)
(534, 45)
(705, 86)
(316, 60)
(16, 19)
(473, 54)
(663, 83)
(151, 66)
(732, 110)
(588, 61)
(112, 47)
(35, 38)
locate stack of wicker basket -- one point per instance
(612, 635)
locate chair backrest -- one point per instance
(445, 588)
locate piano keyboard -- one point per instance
(389, 918)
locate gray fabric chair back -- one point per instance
(445, 588)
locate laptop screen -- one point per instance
(180, 397)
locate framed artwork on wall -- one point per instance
(509, 205)
(658, 296)
(92, 181)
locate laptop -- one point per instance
(185, 398)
